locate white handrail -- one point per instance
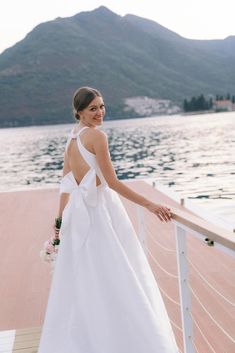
(187, 223)
(199, 225)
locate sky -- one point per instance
(194, 19)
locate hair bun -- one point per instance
(77, 115)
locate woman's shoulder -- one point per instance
(90, 131)
(99, 138)
(97, 133)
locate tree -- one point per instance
(201, 103)
(197, 104)
(186, 105)
(211, 103)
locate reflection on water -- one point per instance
(192, 154)
(31, 156)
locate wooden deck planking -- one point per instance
(25, 280)
(21, 340)
(22, 272)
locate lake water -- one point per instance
(193, 155)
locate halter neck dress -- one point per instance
(103, 296)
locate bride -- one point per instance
(103, 296)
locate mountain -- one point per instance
(123, 57)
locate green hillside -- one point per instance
(122, 56)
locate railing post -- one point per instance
(141, 227)
(185, 299)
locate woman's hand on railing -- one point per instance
(162, 212)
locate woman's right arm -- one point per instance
(101, 149)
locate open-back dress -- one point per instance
(103, 296)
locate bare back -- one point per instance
(74, 159)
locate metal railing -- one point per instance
(186, 224)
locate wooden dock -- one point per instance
(26, 222)
(20, 341)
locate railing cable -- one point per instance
(154, 259)
(195, 347)
(166, 295)
(210, 285)
(212, 318)
(159, 244)
(176, 326)
(199, 329)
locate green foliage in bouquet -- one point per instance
(58, 222)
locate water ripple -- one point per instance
(194, 155)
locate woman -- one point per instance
(103, 296)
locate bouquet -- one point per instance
(51, 246)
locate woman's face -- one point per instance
(93, 114)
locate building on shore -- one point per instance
(224, 105)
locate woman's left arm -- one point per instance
(64, 197)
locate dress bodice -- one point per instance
(90, 177)
(76, 218)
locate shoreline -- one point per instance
(179, 114)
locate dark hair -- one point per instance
(82, 98)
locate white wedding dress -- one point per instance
(103, 296)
